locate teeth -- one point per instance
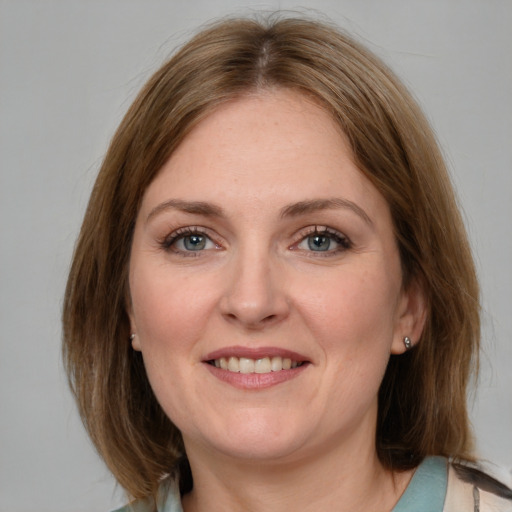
(246, 365)
(234, 364)
(276, 364)
(264, 365)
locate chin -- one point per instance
(260, 451)
(257, 440)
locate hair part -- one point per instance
(422, 400)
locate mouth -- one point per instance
(255, 368)
(267, 364)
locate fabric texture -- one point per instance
(435, 487)
(427, 489)
(462, 496)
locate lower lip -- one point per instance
(255, 380)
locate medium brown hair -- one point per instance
(422, 400)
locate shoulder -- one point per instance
(469, 488)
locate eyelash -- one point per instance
(343, 242)
(168, 243)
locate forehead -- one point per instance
(267, 146)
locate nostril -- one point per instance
(251, 323)
(254, 308)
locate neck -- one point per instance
(327, 480)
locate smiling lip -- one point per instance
(255, 368)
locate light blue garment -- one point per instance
(425, 493)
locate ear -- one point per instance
(411, 316)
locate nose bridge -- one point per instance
(254, 295)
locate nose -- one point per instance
(254, 295)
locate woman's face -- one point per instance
(266, 284)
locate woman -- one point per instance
(272, 303)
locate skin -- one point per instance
(258, 283)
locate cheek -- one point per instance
(170, 317)
(352, 303)
(169, 310)
(353, 319)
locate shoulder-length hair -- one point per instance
(422, 400)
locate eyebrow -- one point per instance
(314, 205)
(291, 210)
(193, 207)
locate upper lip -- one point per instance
(255, 353)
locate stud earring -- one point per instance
(407, 343)
(132, 336)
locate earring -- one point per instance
(407, 343)
(132, 336)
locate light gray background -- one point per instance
(68, 71)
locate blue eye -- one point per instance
(324, 241)
(194, 242)
(188, 241)
(319, 242)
